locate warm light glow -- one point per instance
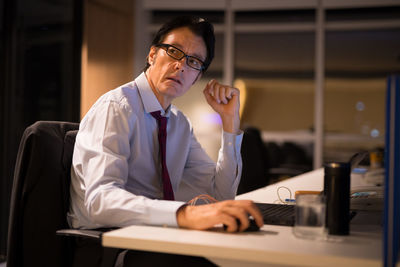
(240, 84)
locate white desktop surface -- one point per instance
(272, 246)
(311, 181)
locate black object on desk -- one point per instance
(337, 193)
(253, 227)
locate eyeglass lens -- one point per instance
(179, 54)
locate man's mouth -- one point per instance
(174, 79)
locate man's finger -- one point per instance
(251, 209)
(241, 216)
(229, 222)
(256, 214)
(210, 86)
(222, 97)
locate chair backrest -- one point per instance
(40, 196)
(255, 169)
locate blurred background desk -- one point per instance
(272, 246)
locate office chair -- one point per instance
(254, 162)
(40, 202)
(286, 160)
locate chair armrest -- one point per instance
(92, 234)
(92, 245)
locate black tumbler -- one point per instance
(337, 195)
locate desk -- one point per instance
(272, 246)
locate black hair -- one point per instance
(198, 26)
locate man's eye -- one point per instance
(194, 62)
(173, 51)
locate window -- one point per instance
(274, 58)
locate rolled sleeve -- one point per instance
(229, 166)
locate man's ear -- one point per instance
(152, 55)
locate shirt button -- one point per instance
(230, 143)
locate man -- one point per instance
(120, 175)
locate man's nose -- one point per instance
(180, 63)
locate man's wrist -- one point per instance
(231, 125)
(180, 215)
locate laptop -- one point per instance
(277, 214)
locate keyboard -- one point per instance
(277, 214)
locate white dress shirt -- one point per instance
(116, 170)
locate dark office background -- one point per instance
(39, 77)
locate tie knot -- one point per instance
(156, 114)
(162, 121)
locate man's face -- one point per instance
(168, 77)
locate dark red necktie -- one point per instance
(162, 139)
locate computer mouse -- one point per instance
(253, 227)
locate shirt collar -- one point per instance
(149, 99)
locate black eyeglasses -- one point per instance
(178, 54)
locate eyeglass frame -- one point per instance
(167, 46)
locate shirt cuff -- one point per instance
(232, 141)
(163, 212)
